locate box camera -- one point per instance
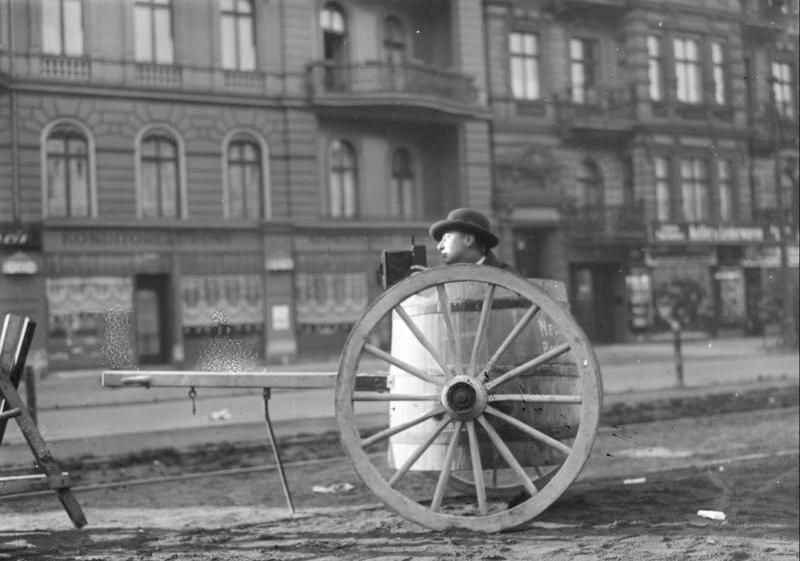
(396, 264)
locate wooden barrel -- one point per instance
(558, 376)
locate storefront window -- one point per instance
(89, 321)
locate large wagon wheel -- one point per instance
(462, 407)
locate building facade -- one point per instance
(209, 183)
(636, 146)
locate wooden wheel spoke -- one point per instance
(536, 398)
(508, 456)
(477, 467)
(441, 484)
(402, 365)
(452, 339)
(480, 332)
(541, 359)
(423, 340)
(391, 431)
(521, 324)
(419, 451)
(534, 433)
(382, 396)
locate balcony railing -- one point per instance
(598, 109)
(611, 223)
(377, 78)
(769, 15)
(772, 127)
(158, 74)
(64, 68)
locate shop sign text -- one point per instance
(711, 234)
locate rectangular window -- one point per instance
(661, 174)
(153, 29)
(62, 27)
(694, 189)
(687, 71)
(523, 49)
(718, 72)
(725, 188)
(582, 69)
(238, 42)
(654, 67)
(782, 88)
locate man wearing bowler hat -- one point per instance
(465, 237)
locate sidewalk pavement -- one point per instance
(79, 417)
(75, 388)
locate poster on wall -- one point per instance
(640, 299)
(732, 303)
(89, 321)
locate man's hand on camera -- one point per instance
(418, 268)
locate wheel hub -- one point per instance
(464, 398)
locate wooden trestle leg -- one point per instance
(271, 435)
(13, 406)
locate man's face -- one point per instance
(457, 247)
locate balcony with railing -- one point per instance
(767, 17)
(773, 128)
(595, 112)
(614, 224)
(379, 83)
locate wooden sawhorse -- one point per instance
(15, 341)
(202, 379)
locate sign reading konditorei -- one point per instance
(712, 234)
(149, 239)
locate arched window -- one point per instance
(342, 180)
(402, 188)
(159, 179)
(238, 37)
(244, 197)
(394, 40)
(333, 23)
(68, 174)
(590, 185)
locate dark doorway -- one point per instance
(592, 300)
(531, 253)
(152, 319)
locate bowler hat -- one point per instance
(468, 221)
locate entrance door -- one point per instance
(532, 252)
(152, 319)
(592, 300)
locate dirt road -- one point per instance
(743, 464)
